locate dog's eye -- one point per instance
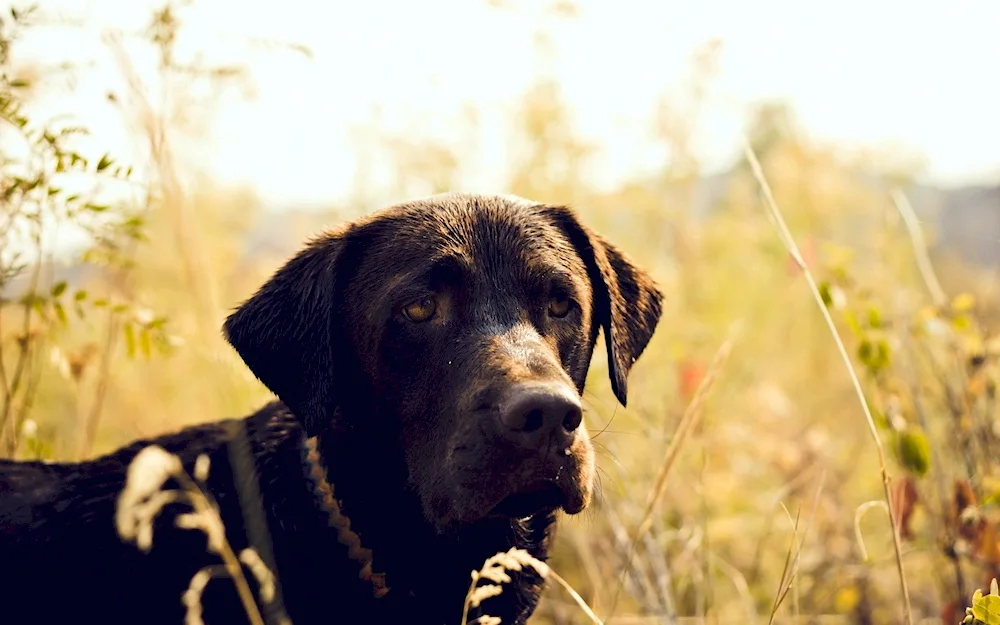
(421, 310)
(559, 306)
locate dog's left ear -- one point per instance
(627, 302)
(287, 331)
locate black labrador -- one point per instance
(429, 361)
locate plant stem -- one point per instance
(793, 250)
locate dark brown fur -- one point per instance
(447, 440)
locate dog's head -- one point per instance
(462, 327)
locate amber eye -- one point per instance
(421, 310)
(559, 306)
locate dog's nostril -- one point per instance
(534, 412)
(572, 420)
(533, 421)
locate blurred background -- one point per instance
(161, 158)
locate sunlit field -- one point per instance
(749, 480)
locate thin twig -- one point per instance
(926, 267)
(230, 561)
(124, 280)
(793, 250)
(24, 346)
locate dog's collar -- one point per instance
(316, 474)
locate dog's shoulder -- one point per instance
(34, 493)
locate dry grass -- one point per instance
(143, 499)
(494, 573)
(689, 526)
(146, 494)
(793, 249)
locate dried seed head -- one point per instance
(265, 578)
(192, 596)
(482, 593)
(142, 498)
(201, 467)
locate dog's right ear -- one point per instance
(286, 332)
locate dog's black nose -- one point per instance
(534, 413)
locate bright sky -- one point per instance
(917, 74)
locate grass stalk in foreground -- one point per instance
(793, 250)
(790, 572)
(143, 499)
(494, 572)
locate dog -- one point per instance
(428, 362)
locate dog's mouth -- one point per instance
(539, 496)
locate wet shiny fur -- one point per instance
(446, 438)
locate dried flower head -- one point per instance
(482, 593)
(142, 499)
(265, 578)
(192, 596)
(495, 570)
(208, 521)
(201, 468)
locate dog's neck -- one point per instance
(399, 555)
(326, 499)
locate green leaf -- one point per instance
(104, 163)
(986, 608)
(824, 293)
(874, 318)
(915, 452)
(129, 340)
(80, 295)
(145, 344)
(60, 312)
(59, 288)
(874, 354)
